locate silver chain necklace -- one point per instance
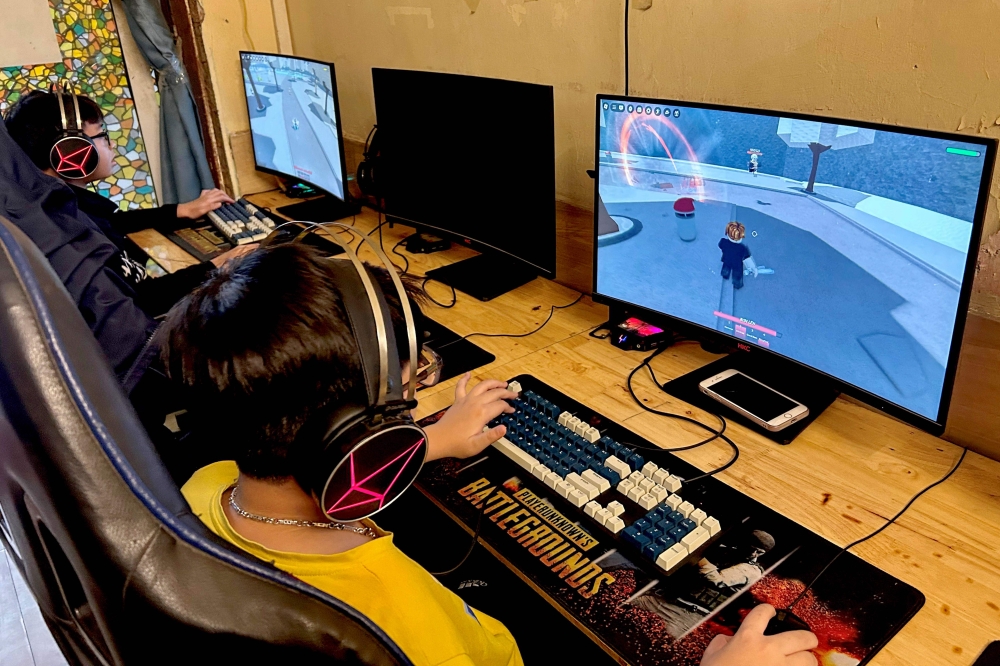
(364, 531)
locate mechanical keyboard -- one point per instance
(242, 222)
(616, 486)
(642, 551)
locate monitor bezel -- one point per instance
(473, 242)
(935, 426)
(340, 127)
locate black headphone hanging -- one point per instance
(74, 156)
(366, 175)
(372, 449)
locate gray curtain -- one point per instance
(184, 166)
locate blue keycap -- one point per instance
(687, 524)
(642, 540)
(666, 541)
(630, 533)
(653, 532)
(659, 513)
(652, 550)
(677, 533)
(675, 516)
(604, 442)
(579, 468)
(636, 461)
(609, 474)
(614, 448)
(642, 524)
(666, 524)
(591, 449)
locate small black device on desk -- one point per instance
(638, 547)
(990, 656)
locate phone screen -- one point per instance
(755, 398)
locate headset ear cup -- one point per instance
(74, 156)
(379, 463)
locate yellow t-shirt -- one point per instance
(426, 620)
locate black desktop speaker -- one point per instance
(365, 177)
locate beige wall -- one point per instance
(908, 62)
(225, 34)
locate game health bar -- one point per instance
(737, 320)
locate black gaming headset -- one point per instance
(372, 450)
(366, 176)
(74, 155)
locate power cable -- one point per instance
(878, 531)
(552, 311)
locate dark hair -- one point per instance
(34, 122)
(265, 349)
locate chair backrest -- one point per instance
(122, 571)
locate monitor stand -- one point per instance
(807, 386)
(322, 209)
(484, 277)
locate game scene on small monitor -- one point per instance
(293, 120)
(843, 248)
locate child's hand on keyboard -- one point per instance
(750, 647)
(460, 433)
(208, 201)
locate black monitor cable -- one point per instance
(892, 520)
(446, 306)
(626, 48)
(552, 311)
(715, 434)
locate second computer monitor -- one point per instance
(471, 157)
(295, 119)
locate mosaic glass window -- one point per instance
(93, 63)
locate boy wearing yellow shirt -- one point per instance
(265, 341)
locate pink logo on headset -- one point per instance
(75, 163)
(370, 492)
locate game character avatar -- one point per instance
(754, 165)
(735, 568)
(735, 254)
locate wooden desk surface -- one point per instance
(850, 470)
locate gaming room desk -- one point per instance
(850, 470)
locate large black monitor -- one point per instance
(295, 127)
(848, 247)
(473, 159)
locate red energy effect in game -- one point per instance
(626, 135)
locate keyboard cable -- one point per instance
(892, 520)
(716, 434)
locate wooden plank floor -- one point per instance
(24, 638)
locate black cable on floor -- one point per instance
(552, 311)
(402, 256)
(878, 531)
(446, 306)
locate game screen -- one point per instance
(293, 119)
(841, 247)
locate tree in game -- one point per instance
(821, 137)
(253, 84)
(274, 70)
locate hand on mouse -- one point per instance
(750, 647)
(459, 433)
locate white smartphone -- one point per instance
(758, 402)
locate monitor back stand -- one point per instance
(808, 387)
(326, 208)
(484, 277)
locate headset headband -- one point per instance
(411, 328)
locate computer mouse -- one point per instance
(785, 620)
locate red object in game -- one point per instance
(684, 207)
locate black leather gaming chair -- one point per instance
(123, 572)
